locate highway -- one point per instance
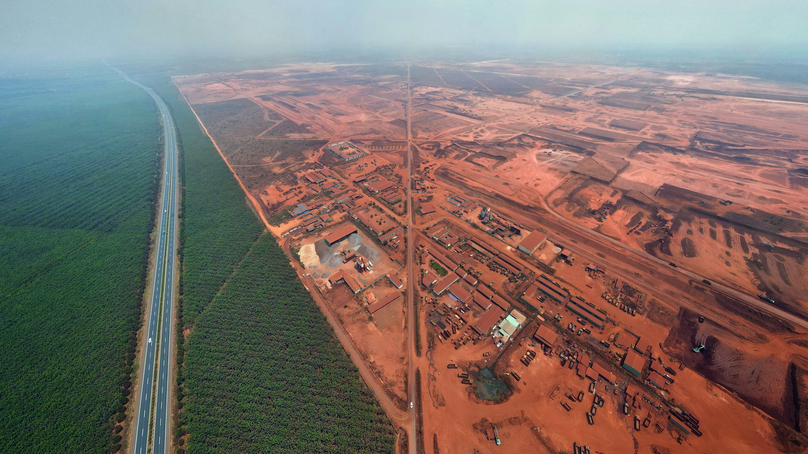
(411, 318)
(159, 318)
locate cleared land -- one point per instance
(666, 198)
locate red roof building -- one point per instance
(349, 279)
(605, 373)
(643, 345)
(486, 292)
(396, 281)
(444, 284)
(532, 242)
(427, 208)
(545, 335)
(340, 234)
(460, 294)
(482, 301)
(488, 320)
(634, 363)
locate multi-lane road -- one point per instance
(153, 403)
(411, 316)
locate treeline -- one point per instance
(79, 174)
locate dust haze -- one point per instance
(54, 30)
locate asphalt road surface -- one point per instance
(411, 319)
(163, 281)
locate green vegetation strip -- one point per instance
(261, 370)
(79, 174)
(264, 356)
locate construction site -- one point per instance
(602, 259)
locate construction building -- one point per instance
(427, 208)
(459, 294)
(642, 346)
(299, 210)
(551, 289)
(488, 320)
(581, 310)
(346, 150)
(634, 363)
(546, 335)
(395, 281)
(445, 283)
(532, 242)
(349, 279)
(340, 234)
(605, 373)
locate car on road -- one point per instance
(410, 404)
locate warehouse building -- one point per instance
(488, 320)
(551, 289)
(634, 363)
(340, 234)
(532, 242)
(349, 279)
(346, 150)
(546, 335)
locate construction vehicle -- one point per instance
(766, 298)
(698, 349)
(496, 436)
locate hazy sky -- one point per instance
(81, 28)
